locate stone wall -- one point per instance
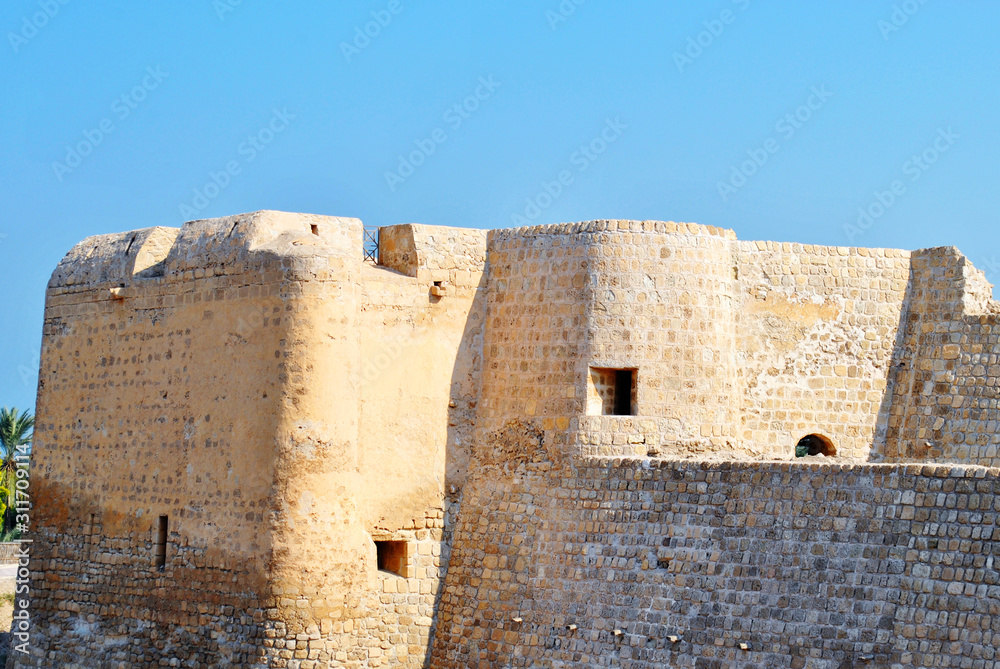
(738, 347)
(160, 394)
(945, 399)
(650, 296)
(535, 330)
(291, 411)
(284, 406)
(660, 300)
(818, 328)
(652, 563)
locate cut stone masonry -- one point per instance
(555, 446)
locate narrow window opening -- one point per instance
(393, 556)
(815, 444)
(314, 228)
(611, 392)
(160, 549)
(623, 392)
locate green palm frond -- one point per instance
(16, 431)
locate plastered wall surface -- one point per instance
(283, 404)
(292, 409)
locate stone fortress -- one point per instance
(556, 446)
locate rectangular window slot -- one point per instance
(394, 557)
(160, 549)
(623, 392)
(612, 392)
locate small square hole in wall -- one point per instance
(611, 392)
(393, 556)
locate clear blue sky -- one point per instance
(668, 100)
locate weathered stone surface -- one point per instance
(744, 564)
(290, 409)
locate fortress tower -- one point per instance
(565, 445)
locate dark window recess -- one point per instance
(611, 392)
(392, 557)
(160, 549)
(814, 444)
(623, 392)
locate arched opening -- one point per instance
(814, 444)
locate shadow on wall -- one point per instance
(902, 357)
(940, 402)
(461, 436)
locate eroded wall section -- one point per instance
(944, 403)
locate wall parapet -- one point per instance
(609, 225)
(414, 250)
(209, 247)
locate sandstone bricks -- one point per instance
(422, 460)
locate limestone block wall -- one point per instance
(660, 300)
(534, 340)
(161, 393)
(285, 406)
(297, 415)
(739, 347)
(650, 296)
(817, 331)
(420, 375)
(944, 399)
(435, 251)
(609, 562)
